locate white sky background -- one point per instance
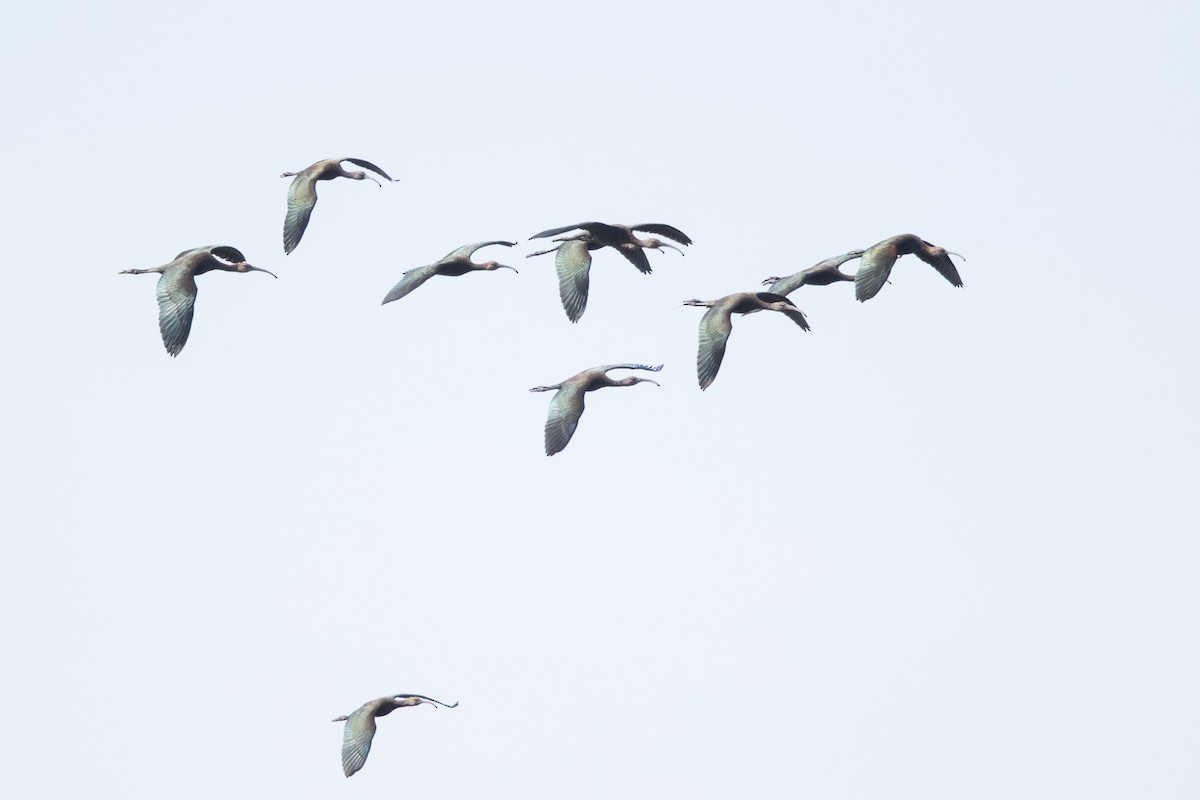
(942, 546)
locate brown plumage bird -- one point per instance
(360, 726)
(822, 273)
(717, 324)
(177, 287)
(455, 263)
(566, 407)
(302, 193)
(573, 258)
(877, 262)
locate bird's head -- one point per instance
(939, 252)
(416, 700)
(359, 175)
(242, 266)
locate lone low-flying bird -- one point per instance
(877, 263)
(717, 323)
(573, 259)
(302, 194)
(566, 407)
(455, 263)
(177, 287)
(820, 274)
(360, 726)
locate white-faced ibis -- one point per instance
(877, 263)
(573, 261)
(820, 274)
(566, 407)
(717, 323)
(455, 263)
(360, 726)
(177, 287)
(302, 194)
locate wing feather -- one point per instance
(573, 262)
(663, 230)
(874, 269)
(302, 196)
(176, 293)
(467, 250)
(409, 281)
(944, 266)
(566, 407)
(636, 256)
(356, 741)
(368, 165)
(715, 327)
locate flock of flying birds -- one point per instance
(573, 260)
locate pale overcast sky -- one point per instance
(943, 546)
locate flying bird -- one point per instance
(820, 274)
(877, 263)
(566, 407)
(177, 287)
(573, 258)
(360, 726)
(717, 323)
(455, 263)
(302, 194)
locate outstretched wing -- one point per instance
(566, 407)
(715, 327)
(409, 281)
(943, 265)
(663, 230)
(356, 741)
(607, 367)
(874, 269)
(573, 263)
(785, 307)
(368, 165)
(821, 274)
(230, 254)
(791, 283)
(302, 196)
(467, 250)
(595, 228)
(636, 256)
(176, 304)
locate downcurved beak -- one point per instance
(673, 247)
(260, 269)
(964, 258)
(506, 266)
(647, 380)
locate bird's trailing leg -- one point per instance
(541, 252)
(134, 271)
(290, 175)
(544, 388)
(771, 279)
